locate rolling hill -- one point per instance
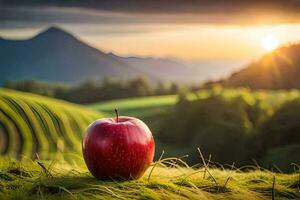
(279, 69)
(32, 124)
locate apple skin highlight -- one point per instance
(118, 148)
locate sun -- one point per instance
(269, 42)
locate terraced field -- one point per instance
(32, 125)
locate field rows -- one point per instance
(31, 124)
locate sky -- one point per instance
(228, 32)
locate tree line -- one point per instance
(91, 91)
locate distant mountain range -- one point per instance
(58, 56)
(279, 69)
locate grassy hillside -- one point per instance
(59, 180)
(149, 109)
(32, 124)
(276, 70)
(153, 109)
(215, 119)
(145, 106)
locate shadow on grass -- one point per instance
(78, 184)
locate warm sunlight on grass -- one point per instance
(169, 178)
(269, 42)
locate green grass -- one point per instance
(53, 129)
(163, 180)
(150, 109)
(145, 107)
(33, 125)
(141, 107)
(134, 104)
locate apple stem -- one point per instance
(117, 114)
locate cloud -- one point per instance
(167, 6)
(17, 16)
(80, 20)
(137, 16)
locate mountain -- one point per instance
(58, 56)
(195, 71)
(165, 69)
(279, 69)
(55, 55)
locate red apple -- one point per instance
(121, 147)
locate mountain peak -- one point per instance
(54, 32)
(54, 29)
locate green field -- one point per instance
(149, 109)
(32, 125)
(45, 135)
(154, 109)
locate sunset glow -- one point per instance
(269, 43)
(186, 36)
